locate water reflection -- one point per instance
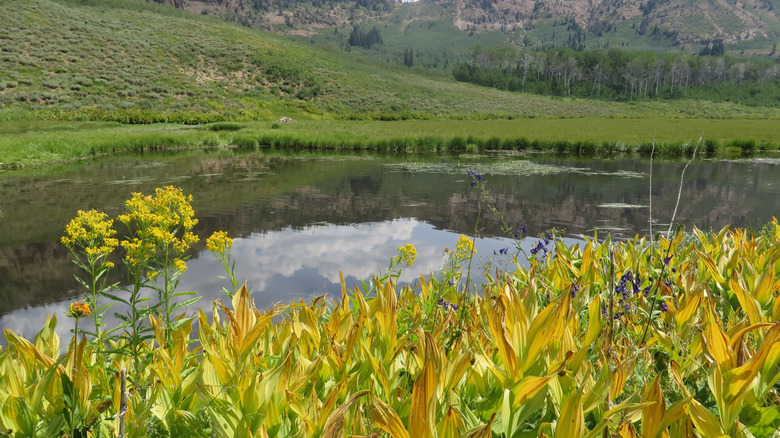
(298, 219)
(290, 264)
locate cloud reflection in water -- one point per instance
(282, 266)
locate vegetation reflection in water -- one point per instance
(355, 197)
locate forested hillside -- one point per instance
(621, 75)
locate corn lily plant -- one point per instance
(676, 339)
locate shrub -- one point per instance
(748, 147)
(224, 126)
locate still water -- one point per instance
(298, 219)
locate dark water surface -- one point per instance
(300, 218)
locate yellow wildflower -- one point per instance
(156, 222)
(464, 247)
(79, 309)
(180, 265)
(219, 242)
(408, 253)
(91, 230)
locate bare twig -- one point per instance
(650, 199)
(679, 192)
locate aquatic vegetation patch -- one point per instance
(619, 173)
(621, 205)
(130, 181)
(506, 167)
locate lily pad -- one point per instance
(621, 205)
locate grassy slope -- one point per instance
(59, 57)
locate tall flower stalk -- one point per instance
(160, 233)
(219, 244)
(90, 238)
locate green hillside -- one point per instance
(140, 62)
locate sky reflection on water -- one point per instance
(292, 264)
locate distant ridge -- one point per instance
(138, 62)
(752, 25)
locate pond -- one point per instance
(298, 219)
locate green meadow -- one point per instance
(31, 142)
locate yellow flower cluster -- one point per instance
(179, 265)
(408, 253)
(92, 231)
(464, 247)
(156, 221)
(79, 309)
(219, 242)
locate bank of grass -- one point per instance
(33, 142)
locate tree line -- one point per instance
(621, 75)
(359, 37)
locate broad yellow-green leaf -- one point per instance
(384, 417)
(47, 341)
(776, 310)
(500, 336)
(675, 412)
(422, 418)
(451, 425)
(626, 430)
(689, 307)
(335, 422)
(571, 422)
(709, 263)
(618, 381)
(741, 378)
(705, 421)
(548, 326)
(749, 305)
(717, 343)
(597, 393)
(653, 414)
(527, 388)
(482, 431)
(764, 286)
(28, 351)
(594, 321)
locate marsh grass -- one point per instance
(26, 142)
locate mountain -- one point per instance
(138, 62)
(688, 25)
